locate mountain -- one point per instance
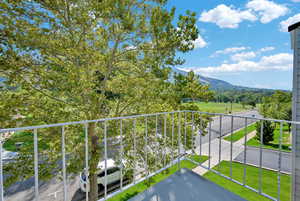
(216, 84)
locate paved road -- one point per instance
(238, 123)
(270, 159)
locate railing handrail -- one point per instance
(181, 141)
(5, 130)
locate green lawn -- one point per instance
(140, 187)
(26, 138)
(221, 107)
(269, 181)
(275, 143)
(240, 134)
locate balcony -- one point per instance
(176, 156)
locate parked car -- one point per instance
(113, 174)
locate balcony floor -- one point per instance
(185, 185)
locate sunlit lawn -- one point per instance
(240, 134)
(221, 107)
(269, 181)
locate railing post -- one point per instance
(64, 162)
(279, 163)
(200, 135)
(121, 154)
(86, 162)
(260, 156)
(209, 143)
(179, 141)
(156, 140)
(193, 131)
(146, 144)
(184, 132)
(231, 143)
(105, 158)
(165, 139)
(172, 139)
(134, 150)
(1, 168)
(220, 140)
(245, 153)
(36, 166)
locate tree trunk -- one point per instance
(93, 162)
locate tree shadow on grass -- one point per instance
(276, 146)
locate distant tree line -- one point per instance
(245, 97)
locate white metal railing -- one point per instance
(161, 122)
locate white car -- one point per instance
(113, 174)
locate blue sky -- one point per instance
(244, 42)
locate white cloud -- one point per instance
(286, 23)
(229, 50)
(200, 42)
(226, 17)
(281, 61)
(266, 49)
(267, 10)
(243, 56)
(296, 1)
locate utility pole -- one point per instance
(295, 42)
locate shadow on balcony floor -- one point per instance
(185, 185)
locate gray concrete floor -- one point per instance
(185, 185)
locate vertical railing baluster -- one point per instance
(179, 141)
(185, 131)
(172, 138)
(260, 156)
(209, 142)
(105, 159)
(193, 130)
(146, 144)
(231, 143)
(156, 140)
(220, 146)
(36, 166)
(1, 168)
(87, 188)
(245, 152)
(279, 162)
(165, 139)
(134, 151)
(121, 154)
(64, 162)
(200, 135)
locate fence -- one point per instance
(141, 146)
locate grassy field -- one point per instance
(24, 137)
(221, 107)
(275, 143)
(240, 134)
(134, 190)
(269, 182)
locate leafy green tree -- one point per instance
(277, 106)
(268, 131)
(189, 86)
(73, 60)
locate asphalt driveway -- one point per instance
(270, 159)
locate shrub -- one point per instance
(268, 131)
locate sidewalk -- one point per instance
(237, 148)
